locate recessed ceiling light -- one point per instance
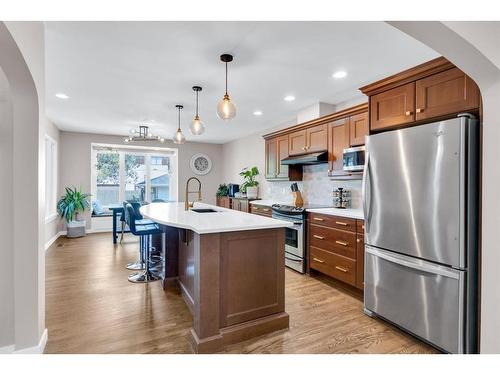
(61, 95)
(289, 98)
(339, 74)
(257, 113)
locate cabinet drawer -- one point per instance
(339, 222)
(339, 267)
(333, 240)
(261, 210)
(360, 227)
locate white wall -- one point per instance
(474, 48)
(6, 227)
(75, 168)
(52, 226)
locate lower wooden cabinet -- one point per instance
(336, 247)
(223, 202)
(331, 264)
(238, 204)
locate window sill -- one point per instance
(50, 218)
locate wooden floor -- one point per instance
(92, 308)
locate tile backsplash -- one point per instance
(316, 188)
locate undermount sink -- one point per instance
(203, 210)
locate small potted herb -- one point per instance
(250, 184)
(69, 206)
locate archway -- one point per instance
(22, 326)
(473, 47)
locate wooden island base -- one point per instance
(232, 282)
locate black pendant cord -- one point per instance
(226, 77)
(196, 103)
(179, 124)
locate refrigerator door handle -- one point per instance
(420, 266)
(366, 192)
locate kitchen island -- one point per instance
(230, 267)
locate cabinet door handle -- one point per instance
(318, 260)
(318, 237)
(341, 223)
(318, 219)
(419, 110)
(358, 240)
(342, 269)
(343, 243)
(408, 113)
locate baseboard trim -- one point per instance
(9, 349)
(63, 233)
(37, 349)
(54, 239)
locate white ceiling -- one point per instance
(118, 74)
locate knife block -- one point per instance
(297, 199)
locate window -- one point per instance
(133, 173)
(50, 178)
(108, 178)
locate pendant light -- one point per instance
(197, 127)
(226, 109)
(179, 138)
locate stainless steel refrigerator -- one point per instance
(420, 202)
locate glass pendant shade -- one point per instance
(197, 127)
(179, 138)
(226, 109)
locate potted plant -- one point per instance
(222, 191)
(69, 206)
(250, 185)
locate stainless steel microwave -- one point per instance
(354, 159)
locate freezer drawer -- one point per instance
(420, 297)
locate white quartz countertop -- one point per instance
(352, 213)
(224, 220)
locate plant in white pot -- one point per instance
(69, 206)
(250, 185)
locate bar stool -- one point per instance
(138, 220)
(144, 231)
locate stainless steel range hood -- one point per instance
(306, 159)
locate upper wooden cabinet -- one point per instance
(358, 129)
(313, 139)
(434, 90)
(282, 152)
(317, 138)
(297, 142)
(338, 137)
(332, 133)
(393, 107)
(271, 158)
(451, 91)
(276, 149)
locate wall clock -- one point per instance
(201, 164)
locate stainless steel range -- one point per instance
(295, 254)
